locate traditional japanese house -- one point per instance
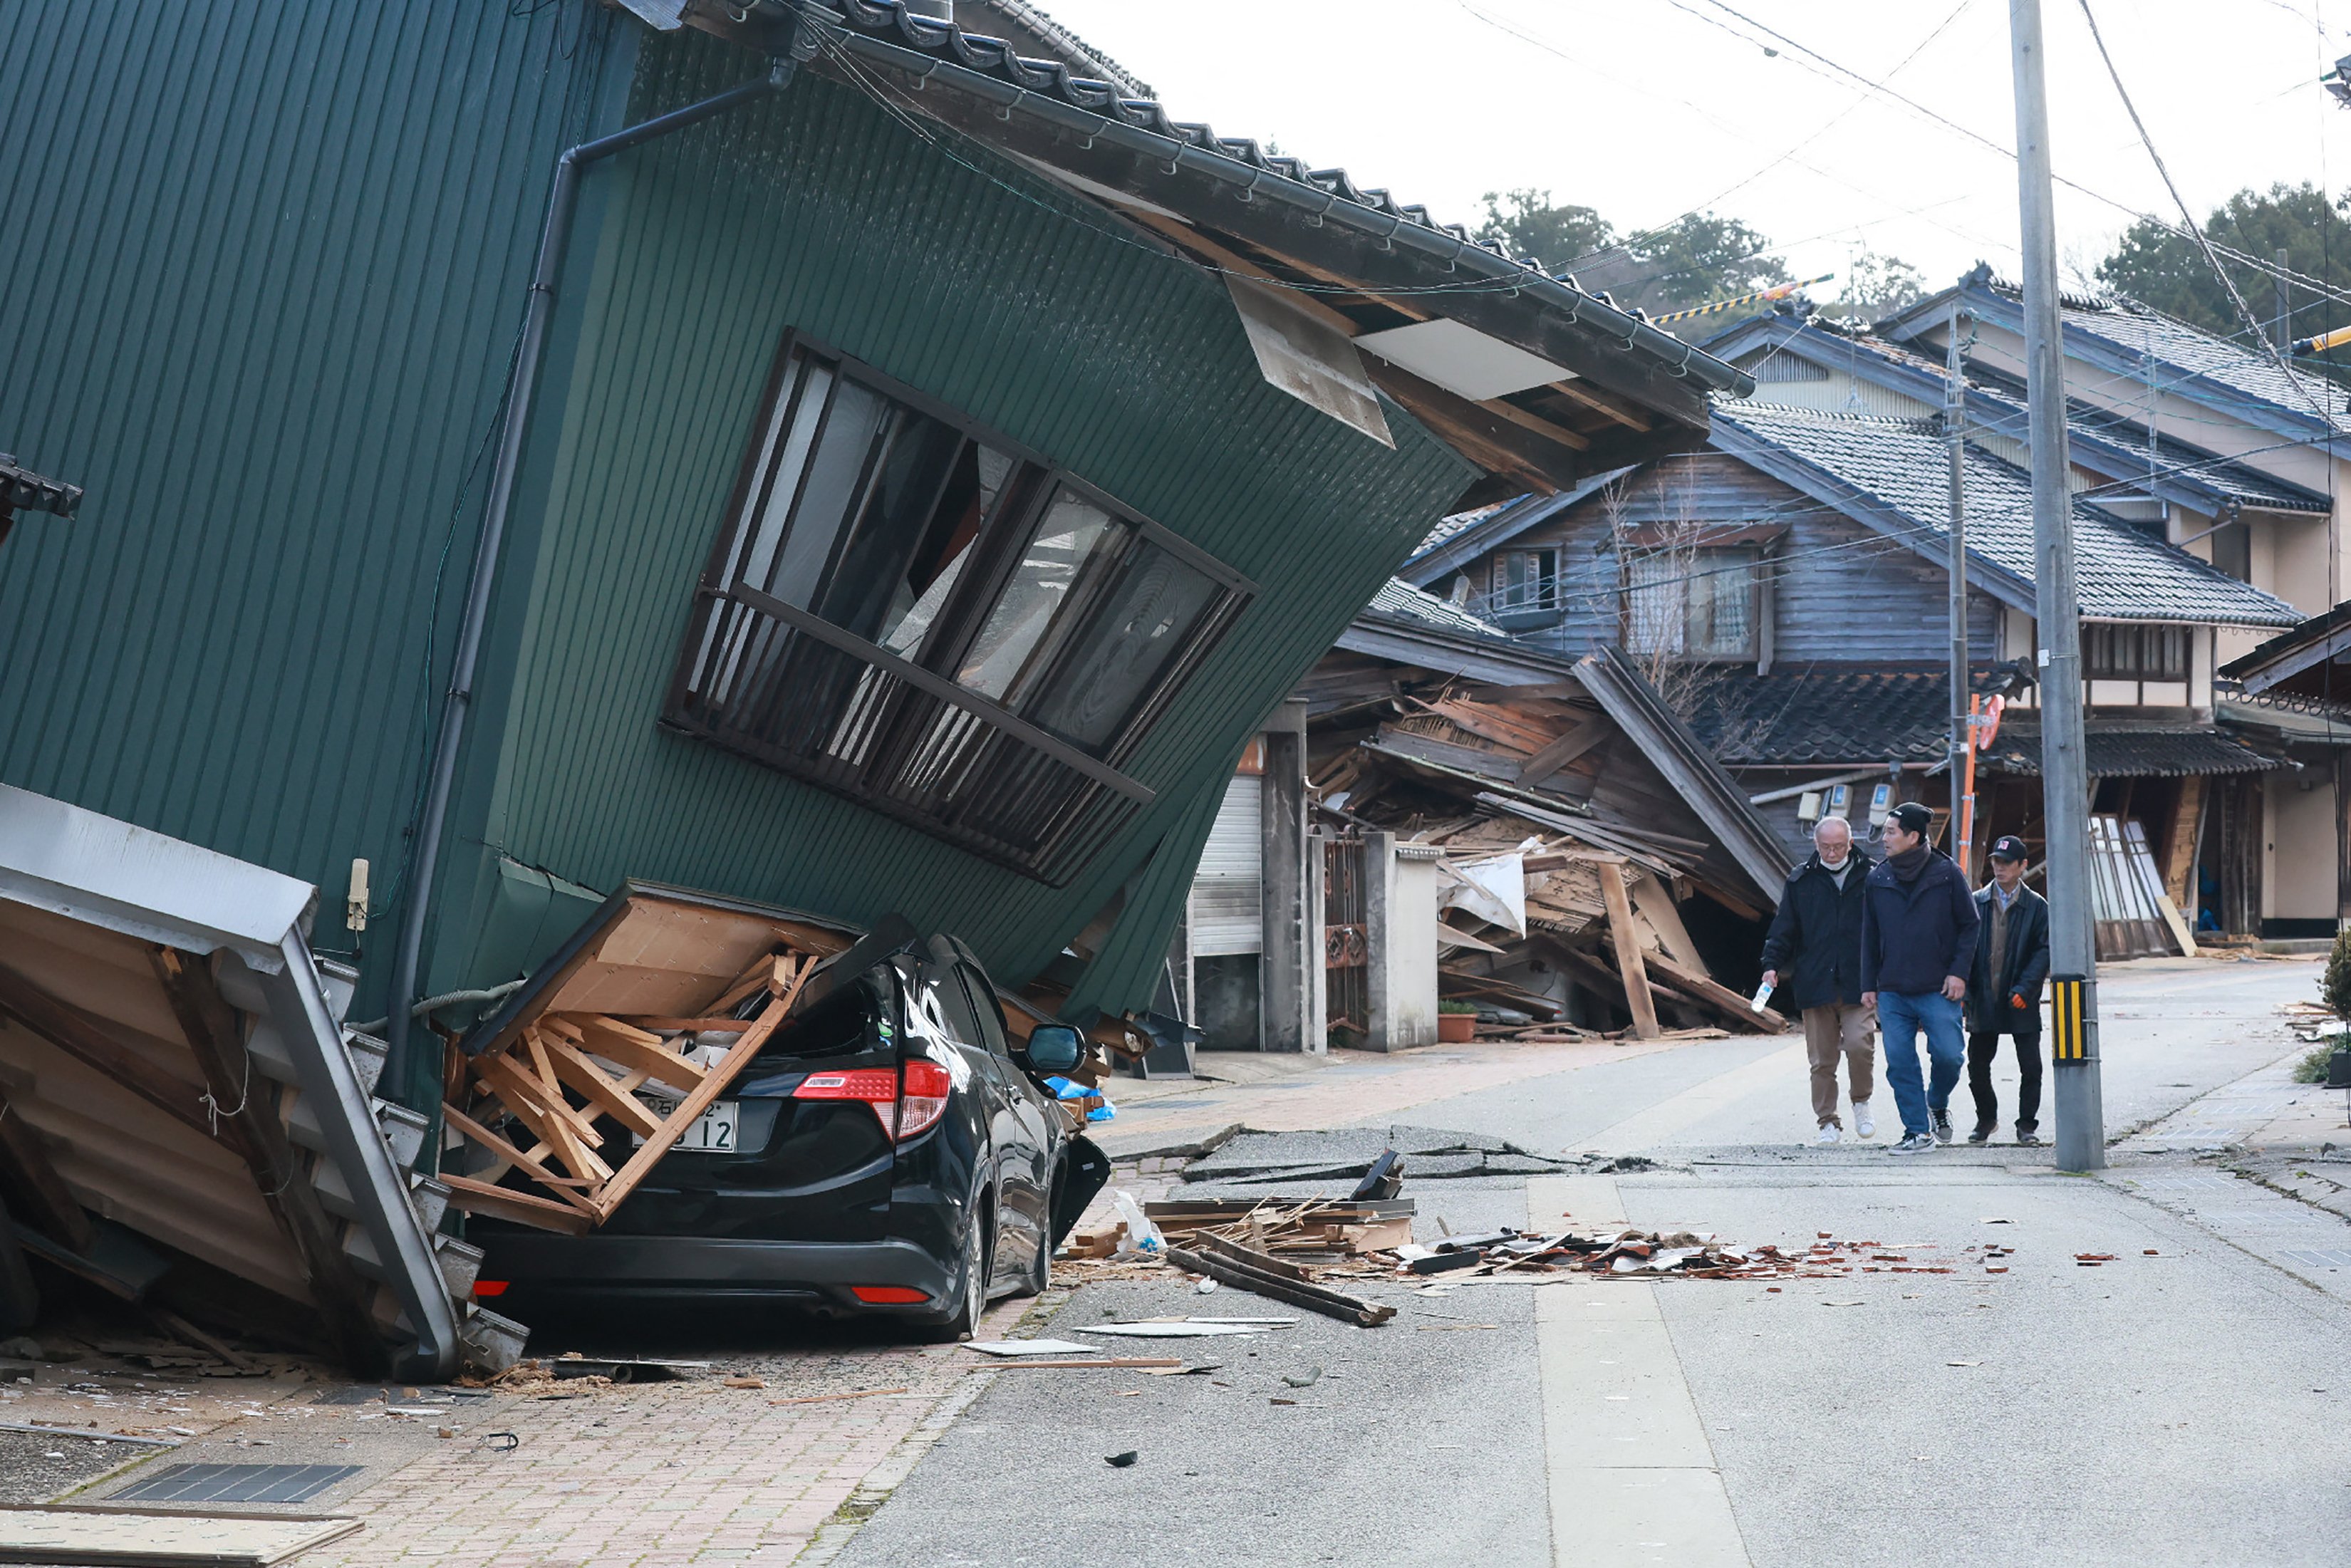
(1787, 590)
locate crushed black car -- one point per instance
(891, 1149)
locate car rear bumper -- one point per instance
(817, 1273)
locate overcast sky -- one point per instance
(1649, 109)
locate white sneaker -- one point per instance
(1828, 1133)
(1863, 1128)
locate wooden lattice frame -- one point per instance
(562, 1072)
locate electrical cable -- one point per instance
(2267, 268)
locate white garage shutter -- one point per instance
(1226, 896)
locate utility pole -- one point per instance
(2065, 779)
(2285, 328)
(1955, 414)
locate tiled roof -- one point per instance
(1459, 522)
(2223, 479)
(1824, 714)
(2135, 750)
(2192, 469)
(1398, 598)
(2122, 573)
(2136, 331)
(879, 29)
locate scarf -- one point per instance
(1909, 863)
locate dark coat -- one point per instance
(1915, 933)
(2024, 964)
(1816, 938)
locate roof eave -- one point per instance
(1611, 347)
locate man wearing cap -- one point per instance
(2004, 989)
(1811, 959)
(1917, 945)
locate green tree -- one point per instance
(2335, 986)
(1527, 223)
(1696, 259)
(1877, 286)
(2157, 267)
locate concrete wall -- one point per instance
(2298, 847)
(1400, 937)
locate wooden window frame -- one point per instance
(1758, 603)
(1005, 533)
(2118, 651)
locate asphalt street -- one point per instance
(2183, 1404)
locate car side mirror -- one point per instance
(1055, 1048)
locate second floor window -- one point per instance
(1696, 603)
(1525, 580)
(912, 611)
(2125, 653)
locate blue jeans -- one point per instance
(1900, 1020)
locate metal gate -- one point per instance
(1347, 955)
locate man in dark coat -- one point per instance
(1811, 959)
(1917, 944)
(2004, 990)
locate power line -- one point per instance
(2263, 265)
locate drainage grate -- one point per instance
(235, 1483)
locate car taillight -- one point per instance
(889, 1295)
(917, 1110)
(925, 1100)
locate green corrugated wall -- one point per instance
(259, 270)
(996, 295)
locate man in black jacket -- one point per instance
(2004, 990)
(1917, 944)
(1812, 958)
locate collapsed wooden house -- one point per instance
(186, 1126)
(1601, 871)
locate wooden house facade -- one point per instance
(1788, 588)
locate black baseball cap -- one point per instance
(1914, 816)
(2008, 847)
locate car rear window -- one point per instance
(838, 1025)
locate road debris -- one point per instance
(1121, 1461)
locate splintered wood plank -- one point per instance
(1564, 750)
(760, 973)
(687, 1026)
(603, 1091)
(529, 1164)
(640, 1051)
(522, 1207)
(1717, 996)
(503, 1073)
(730, 1067)
(518, 1099)
(1629, 966)
(1655, 905)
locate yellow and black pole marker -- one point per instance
(2073, 1021)
(2324, 341)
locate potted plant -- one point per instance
(1457, 1023)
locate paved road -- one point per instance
(2182, 1405)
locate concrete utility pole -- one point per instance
(2065, 779)
(1954, 414)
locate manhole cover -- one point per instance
(235, 1483)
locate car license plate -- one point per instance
(712, 1132)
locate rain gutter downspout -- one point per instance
(554, 239)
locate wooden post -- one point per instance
(1627, 943)
(2180, 849)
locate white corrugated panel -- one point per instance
(1226, 916)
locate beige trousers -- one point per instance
(1839, 1028)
